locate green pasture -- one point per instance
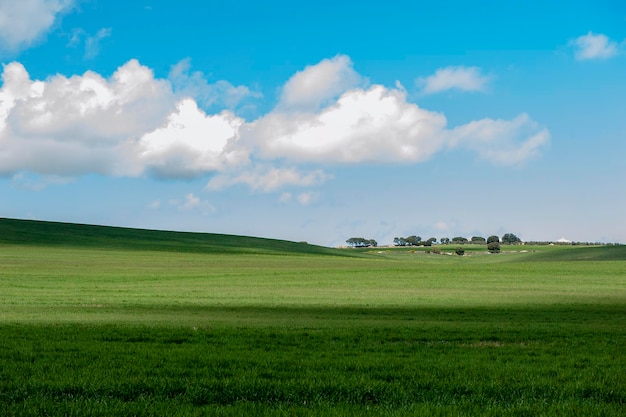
(104, 321)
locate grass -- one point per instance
(39, 233)
(91, 327)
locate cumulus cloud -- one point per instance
(378, 125)
(192, 143)
(133, 124)
(459, 78)
(194, 84)
(592, 46)
(312, 87)
(24, 21)
(373, 125)
(81, 124)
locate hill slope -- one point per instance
(42, 233)
(582, 253)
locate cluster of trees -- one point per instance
(508, 238)
(359, 242)
(413, 241)
(493, 242)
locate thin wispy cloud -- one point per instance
(454, 78)
(269, 179)
(220, 93)
(92, 43)
(195, 203)
(594, 46)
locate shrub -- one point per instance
(436, 251)
(460, 251)
(493, 247)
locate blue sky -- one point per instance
(317, 121)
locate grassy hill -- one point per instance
(581, 253)
(42, 233)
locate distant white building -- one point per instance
(563, 240)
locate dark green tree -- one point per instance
(493, 247)
(510, 239)
(413, 240)
(478, 240)
(399, 241)
(358, 242)
(493, 238)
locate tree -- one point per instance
(478, 240)
(357, 242)
(413, 240)
(429, 242)
(444, 240)
(493, 247)
(399, 241)
(493, 238)
(510, 239)
(459, 239)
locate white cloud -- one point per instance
(92, 44)
(24, 21)
(31, 182)
(268, 179)
(503, 142)
(81, 124)
(192, 143)
(196, 204)
(195, 85)
(379, 125)
(131, 124)
(373, 125)
(592, 46)
(126, 125)
(309, 89)
(460, 78)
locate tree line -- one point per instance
(492, 242)
(359, 242)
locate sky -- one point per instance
(317, 121)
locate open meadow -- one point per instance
(98, 321)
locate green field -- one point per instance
(98, 321)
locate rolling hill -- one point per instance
(44, 233)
